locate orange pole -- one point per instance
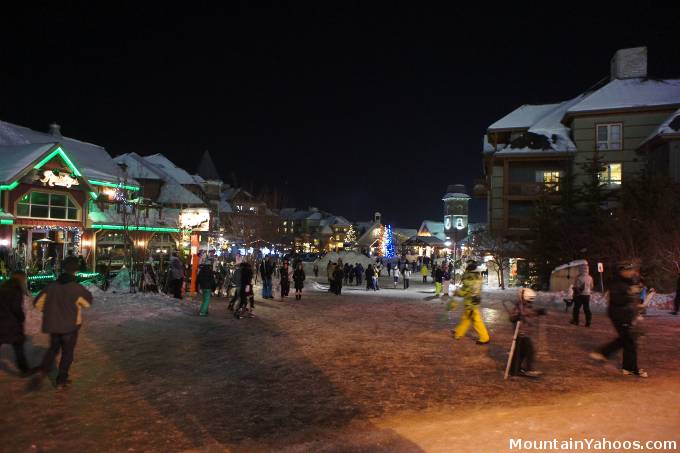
(195, 243)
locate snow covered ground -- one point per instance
(365, 371)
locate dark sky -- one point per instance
(350, 107)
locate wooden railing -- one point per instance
(533, 188)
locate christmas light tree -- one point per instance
(388, 242)
(381, 241)
(351, 238)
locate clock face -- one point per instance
(447, 223)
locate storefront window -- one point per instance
(47, 206)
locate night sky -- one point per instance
(348, 107)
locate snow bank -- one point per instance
(346, 257)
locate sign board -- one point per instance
(51, 178)
(196, 219)
(600, 267)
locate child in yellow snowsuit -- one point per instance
(470, 290)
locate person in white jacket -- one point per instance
(397, 275)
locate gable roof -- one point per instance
(140, 168)
(178, 174)
(93, 161)
(16, 158)
(433, 227)
(621, 94)
(522, 118)
(670, 128)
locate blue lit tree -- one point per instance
(388, 242)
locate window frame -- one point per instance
(608, 182)
(609, 136)
(78, 207)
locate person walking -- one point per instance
(61, 303)
(245, 292)
(236, 282)
(397, 276)
(12, 318)
(583, 287)
(359, 273)
(438, 277)
(316, 270)
(389, 268)
(266, 271)
(624, 311)
(471, 290)
(175, 275)
(206, 283)
(407, 277)
(424, 272)
(284, 279)
(299, 280)
(338, 276)
(330, 272)
(369, 277)
(376, 278)
(522, 362)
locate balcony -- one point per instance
(519, 223)
(533, 189)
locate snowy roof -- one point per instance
(226, 207)
(407, 232)
(669, 128)
(340, 221)
(435, 228)
(547, 133)
(630, 93)
(92, 160)
(16, 158)
(179, 174)
(575, 263)
(173, 193)
(198, 179)
(522, 118)
(139, 168)
(456, 195)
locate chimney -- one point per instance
(55, 130)
(377, 217)
(456, 188)
(629, 63)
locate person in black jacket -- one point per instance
(284, 279)
(299, 279)
(338, 277)
(206, 283)
(12, 317)
(245, 290)
(61, 303)
(266, 271)
(624, 310)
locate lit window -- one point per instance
(47, 206)
(609, 136)
(550, 179)
(612, 174)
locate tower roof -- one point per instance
(206, 168)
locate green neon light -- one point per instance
(63, 156)
(10, 186)
(136, 228)
(6, 222)
(111, 184)
(94, 195)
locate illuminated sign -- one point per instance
(197, 219)
(51, 178)
(447, 222)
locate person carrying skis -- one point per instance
(523, 356)
(470, 290)
(299, 280)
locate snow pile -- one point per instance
(346, 257)
(121, 282)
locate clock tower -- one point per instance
(456, 203)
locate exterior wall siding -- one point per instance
(636, 128)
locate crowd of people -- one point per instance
(63, 300)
